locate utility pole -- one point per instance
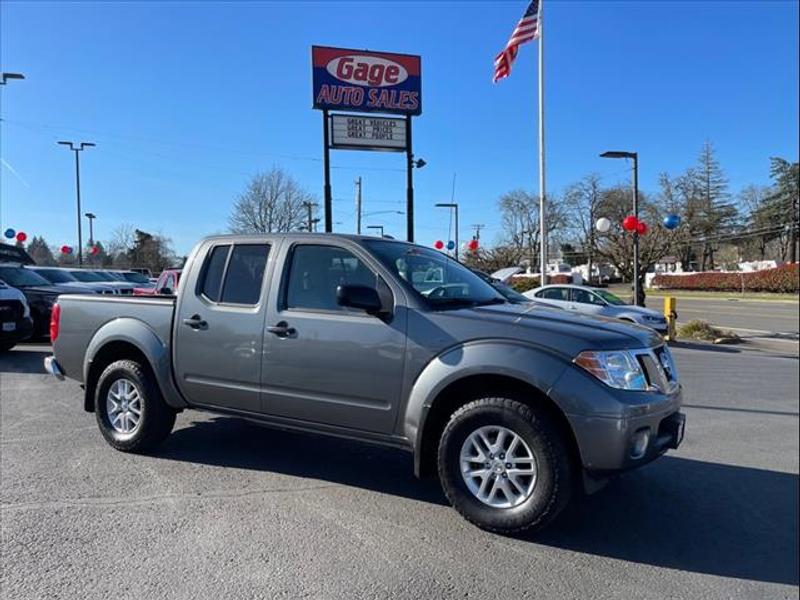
(77, 149)
(358, 206)
(477, 228)
(310, 215)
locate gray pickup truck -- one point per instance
(514, 406)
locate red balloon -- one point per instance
(473, 245)
(438, 244)
(630, 223)
(22, 236)
(641, 228)
(94, 250)
(65, 249)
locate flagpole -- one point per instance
(542, 224)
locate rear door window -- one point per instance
(242, 283)
(213, 271)
(556, 294)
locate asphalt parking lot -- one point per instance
(226, 509)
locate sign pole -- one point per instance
(326, 162)
(409, 183)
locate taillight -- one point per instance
(55, 322)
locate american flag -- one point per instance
(526, 30)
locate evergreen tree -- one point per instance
(40, 252)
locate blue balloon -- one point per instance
(672, 221)
(10, 233)
(451, 244)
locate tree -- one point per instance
(582, 199)
(784, 203)
(151, 251)
(40, 252)
(121, 242)
(759, 217)
(519, 214)
(616, 246)
(716, 214)
(272, 201)
(490, 260)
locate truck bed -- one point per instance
(83, 315)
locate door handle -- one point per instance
(282, 330)
(195, 322)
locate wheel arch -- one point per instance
(134, 340)
(461, 374)
(462, 391)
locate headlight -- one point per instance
(617, 368)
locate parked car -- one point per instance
(131, 277)
(506, 290)
(40, 293)
(166, 284)
(600, 302)
(61, 275)
(143, 271)
(16, 323)
(512, 405)
(101, 277)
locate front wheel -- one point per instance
(503, 466)
(130, 409)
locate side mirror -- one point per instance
(165, 291)
(359, 296)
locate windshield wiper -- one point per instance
(491, 301)
(463, 302)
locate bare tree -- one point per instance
(582, 199)
(519, 213)
(122, 239)
(272, 201)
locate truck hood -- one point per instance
(564, 331)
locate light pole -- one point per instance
(77, 148)
(91, 217)
(452, 206)
(376, 227)
(638, 296)
(4, 78)
(412, 164)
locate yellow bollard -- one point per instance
(670, 305)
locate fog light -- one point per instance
(640, 440)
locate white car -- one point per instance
(600, 302)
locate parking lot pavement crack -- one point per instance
(155, 499)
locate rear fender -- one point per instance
(140, 335)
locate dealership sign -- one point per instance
(368, 133)
(363, 81)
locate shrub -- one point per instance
(702, 330)
(783, 279)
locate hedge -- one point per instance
(523, 284)
(783, 279)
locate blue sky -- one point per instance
(186, 100)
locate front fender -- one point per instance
(535, 366)
(146, 340)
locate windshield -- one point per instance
(610, 298)
(21, 277)
(135, 277)
(56, 276)
(86, 276)
(439, 280)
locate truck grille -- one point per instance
(659, 368)
(11, 310)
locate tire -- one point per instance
(155, 419)
(544, 494)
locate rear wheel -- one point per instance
(130, 409)
(503, 466)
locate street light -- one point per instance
(91, 217)
(376, 227)
(638, 296)
(412, 164)
(77, 148)
(452, 206)
(4, 77)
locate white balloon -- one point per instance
(603, 225)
